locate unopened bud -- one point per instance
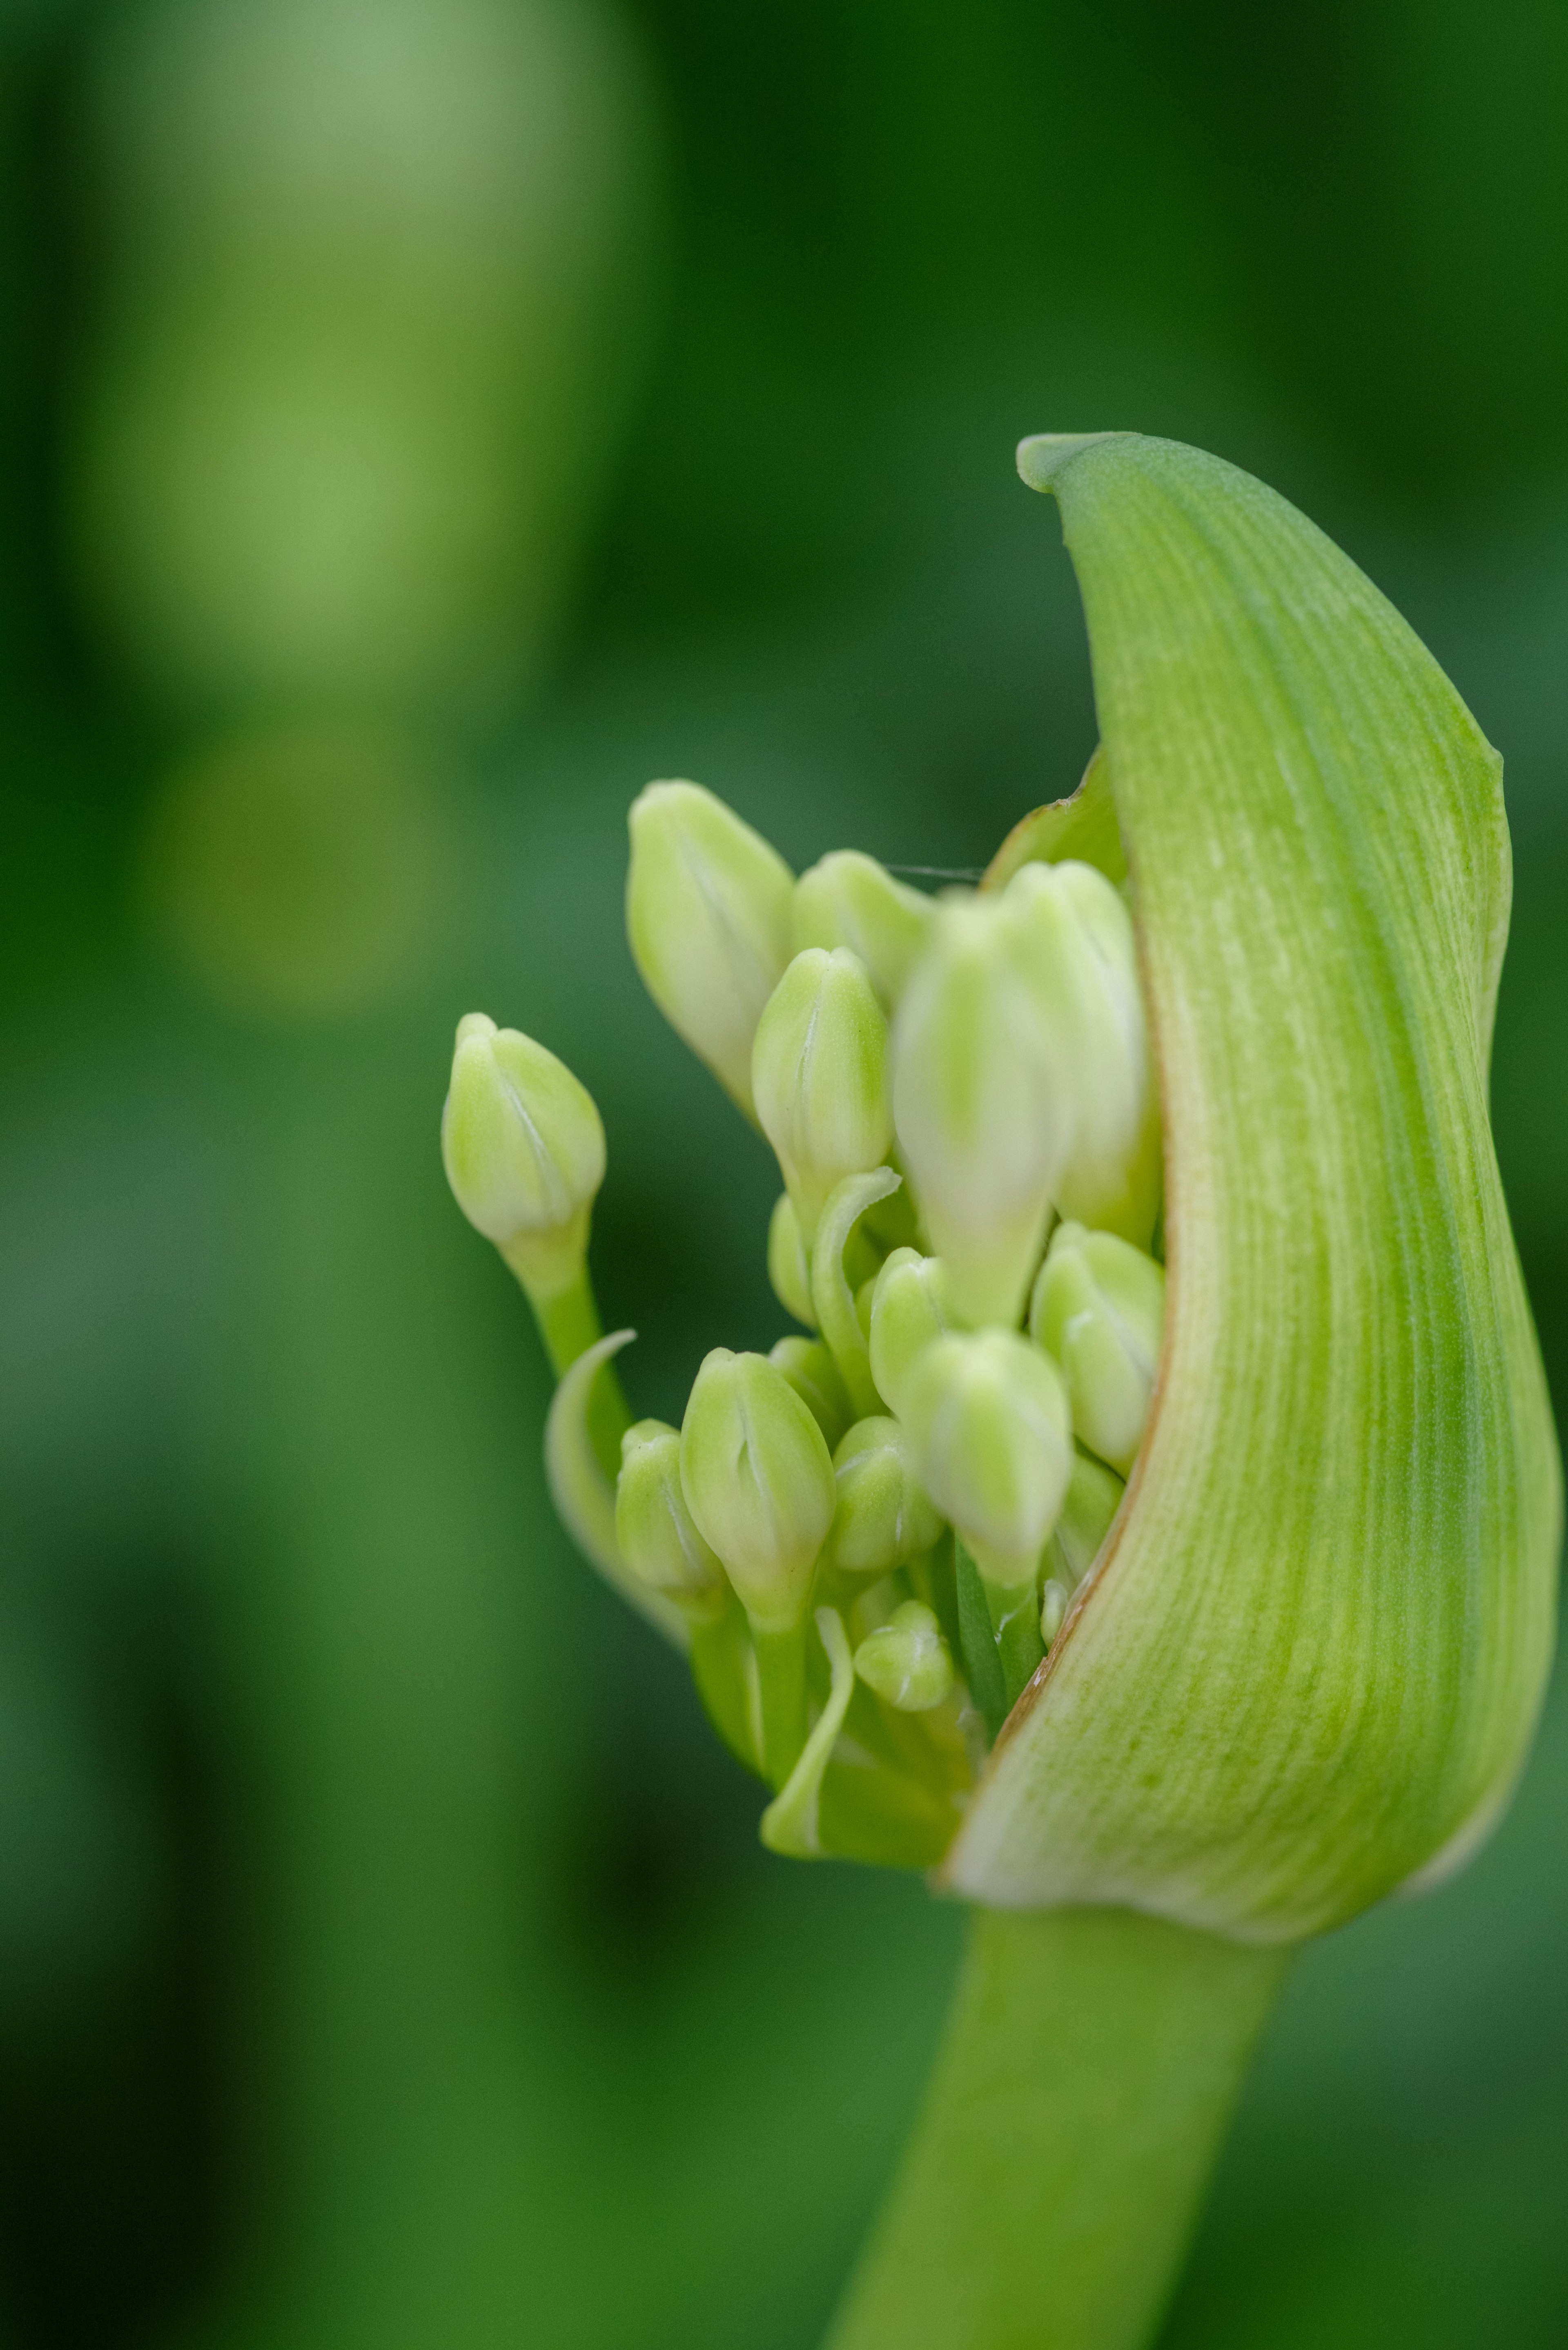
(850, 901)
(523, 1151)
(708, 915)
(789, 1267)
(910, 1306)
(1054, 1600)
(653, 1526)
(1099, 1308)
(984, 1121)
(881, 1517)
(906, 1661)
(993, 1444)
(810, 1368)
(1092, 1498)
(758, 1481)
(1073, 940)
(817, 1080)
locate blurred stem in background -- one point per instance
(371, 283)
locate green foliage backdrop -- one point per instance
(386, 1956)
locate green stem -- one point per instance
(1091, 2060)
(569, 1323)
(781, 1668)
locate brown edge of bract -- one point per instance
(1047, 836)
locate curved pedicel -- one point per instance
(1307, 1665)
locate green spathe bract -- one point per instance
(1307, 1667)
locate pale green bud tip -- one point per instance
(983, 1119)
(789, 1267)
(656, 1538)
(910, 1306)
(810, 1368)
(818, 1077)
(1099, 1308)
(523, 1147)
(1054, 1603)
(850, 901)
(993, 1438)
(708, 914)
(1073, 942)
(881, 1517)
(906, 1661)
(758, 1481)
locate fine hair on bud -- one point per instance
(906, 1661)
(818, 1080)
(911, 1303)
(654, 1528)
(993, 1444)
(1072, 940)
(524, 1150)
(1098, 1307)
(983, 1116)
(849, 900)
(708, 913)
(882, 1516)
(758, 1481)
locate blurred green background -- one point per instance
(421, 423)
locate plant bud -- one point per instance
(810, 1368)
(789, 1267)
(850, 901)
(881, 1517)
(817, 1081)
(910, 1306)
(993, 1444)
(708, 915)
(1099, 1308)
(1074, 941)
(906, 1661)
(523, 1151)
(653, 1526)
(1093, 1496)
(758, 1481)
(984, 1119)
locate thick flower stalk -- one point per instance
(1157, 1511)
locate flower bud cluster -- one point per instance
(873, 1533)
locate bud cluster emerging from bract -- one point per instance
(871, 1536)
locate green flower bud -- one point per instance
(1074, 941)
(988, 1417)
(817, 1078)
(881, 1517)
(708, 915)
(984, 1122)
(850, 901)
(758, 1481)
(654, 1531)
(1054, 1600)
(1093, 1496)
(810, 1368)
(906, 1661)
(789, 1267)
(523, 1151)
(910, 1306)
(1099, 1308)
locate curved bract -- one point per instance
(1307, 1667)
